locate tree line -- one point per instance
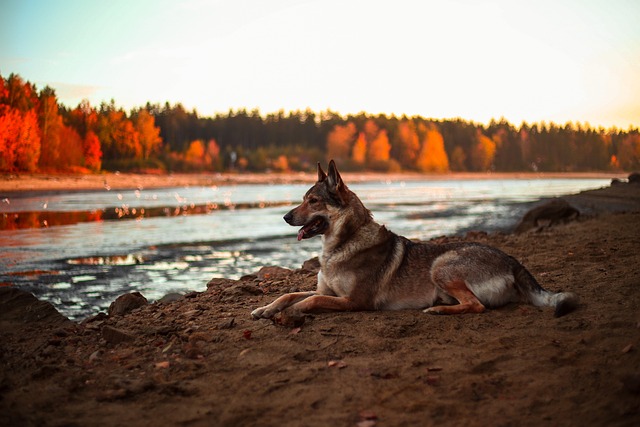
(37, 133)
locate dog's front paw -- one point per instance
(433, 310)
(266, 312)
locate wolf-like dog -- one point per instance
(364, 266)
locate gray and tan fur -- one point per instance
(364, 266)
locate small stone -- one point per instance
(312, 264)
(227, 324)
(172, 297)
(271, 272)
(126, 303)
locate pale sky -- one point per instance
(573, 60)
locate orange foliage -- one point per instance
(339, 141)
(19, 140)
(213, 155)
(432, 157)
(148, 133)
(379, 148)
(409, 144)
(20, 95)
(203, 156)
(118, 136)
(51, 125)
(92, 151)
(213, 149)
(71, 149)
(10, 122)
(280, 164)
(483, 153)
(195, 152)
(614, 163)
(359, 152)
(372, 146)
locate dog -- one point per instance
(364, 266)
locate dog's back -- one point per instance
(402, 274)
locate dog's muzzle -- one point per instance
(316, 225)
(288, 218)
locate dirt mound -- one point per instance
(17, 306)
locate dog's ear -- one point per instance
(321, 175)
(334, 179)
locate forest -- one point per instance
(39, 134)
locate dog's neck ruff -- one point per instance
(343, 242)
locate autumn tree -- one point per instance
(19, 130)
(27, 145)
(212, 155)
(84, 119)
(10, 124)
(359, 151)
(408, 144)
(92, 151)
(19, 94)
(148, 133)
(117, 135)
(378, 147)
(432, 156)
(280, 163)
(339, 141)
(195, 154)
(72, 150)
(52, 127)
(482, 153)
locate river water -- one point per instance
(81, 250)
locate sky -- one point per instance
(533, 61)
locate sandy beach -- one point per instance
(201, 360)
(12, 184)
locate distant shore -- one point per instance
(11, 184)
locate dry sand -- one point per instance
(202, 361)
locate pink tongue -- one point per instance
(301, 234)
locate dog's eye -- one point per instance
(313, 200)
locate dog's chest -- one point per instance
(332, 279)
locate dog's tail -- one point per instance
(563, 302)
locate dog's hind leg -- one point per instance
(282, 302)
(468, 303)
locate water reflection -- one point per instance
(46, 218)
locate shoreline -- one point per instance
(199, 359)
(10, 185)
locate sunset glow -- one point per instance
(525, 61)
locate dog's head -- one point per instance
(319, 206)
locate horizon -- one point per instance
(576, 62)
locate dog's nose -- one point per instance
(288, 217)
